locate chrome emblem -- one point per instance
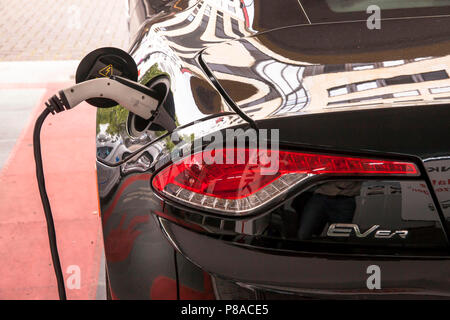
(346, 230)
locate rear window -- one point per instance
(362, 5)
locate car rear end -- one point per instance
(309, 161)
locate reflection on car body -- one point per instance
(332, 87)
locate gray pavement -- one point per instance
(17, 101)
(60, 29)
(16, 106)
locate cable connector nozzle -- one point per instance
(57, 104)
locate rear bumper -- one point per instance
(319, 275)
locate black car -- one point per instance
(357, 118)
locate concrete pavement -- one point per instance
(60, 29)
(16, 106)
(19, 95)
(41, 43)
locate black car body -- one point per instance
(333, 87)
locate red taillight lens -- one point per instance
(239, 180)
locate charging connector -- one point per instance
(133, 96)
(138, 99)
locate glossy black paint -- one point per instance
(227, 69)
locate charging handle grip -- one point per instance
(131, 95)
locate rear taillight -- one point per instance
(237, 181)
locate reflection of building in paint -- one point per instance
(169, 46)
(213, 21)
(389, 83)
(264, 82)
(287, 80)
(278, 86)
(270, 86)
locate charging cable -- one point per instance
(138, 99)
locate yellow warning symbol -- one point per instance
(106, 71)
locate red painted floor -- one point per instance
(68, 148)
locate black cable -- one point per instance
(46, 204)
(56, 104)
